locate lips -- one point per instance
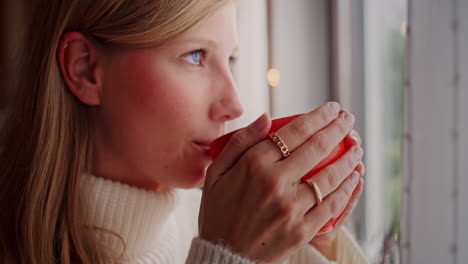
(203, 146)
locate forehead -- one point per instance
(218, 30)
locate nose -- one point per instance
(227, 106)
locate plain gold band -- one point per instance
(280, 143)
(316, 190)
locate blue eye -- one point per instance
(194, 57)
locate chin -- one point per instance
(195, 180)
(193, 184)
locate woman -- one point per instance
(108, 140)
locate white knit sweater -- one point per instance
(140, 226)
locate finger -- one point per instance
(352, 140)
(353, 201)
(354, 134)
(318, 147)
(331, 177)
(361, 168)
(309, 196)
(239, 143)
(299, 130)
(319, 215)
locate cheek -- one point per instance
(139, 101)
(168, 94)
(146, 83)
(172, 100)
(139, 89)
(175, 97)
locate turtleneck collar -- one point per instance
(122, 213)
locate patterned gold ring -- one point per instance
(315, 189)
(280, 143)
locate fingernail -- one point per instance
(260, 123)
(348, 118)
(354, 177)
(357, 151)
(354, 134)
(334, 107)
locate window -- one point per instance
(384, 60)
(369, 39)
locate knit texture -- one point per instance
(204, 252)
(139, 226)
(347, 252)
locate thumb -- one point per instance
(238, 144)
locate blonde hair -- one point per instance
(47, 141)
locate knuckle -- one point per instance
(347, 191)
(343, 128)
(331, 174)
(298, 236)
(255, 164)
(351, 162)
(320, 143)
(284, 209)
(301, 127)
(269, 185)
(336, 202)
(237, 140)
(334, 207)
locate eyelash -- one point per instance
(203, 51)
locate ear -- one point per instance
(80, 65)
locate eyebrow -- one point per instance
(209, 43)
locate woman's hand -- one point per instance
(326, 243)
(253, 202)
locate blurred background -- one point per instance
(400, 66)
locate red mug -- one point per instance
(218, 144)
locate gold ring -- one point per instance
(279, 142)
(316, 190)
